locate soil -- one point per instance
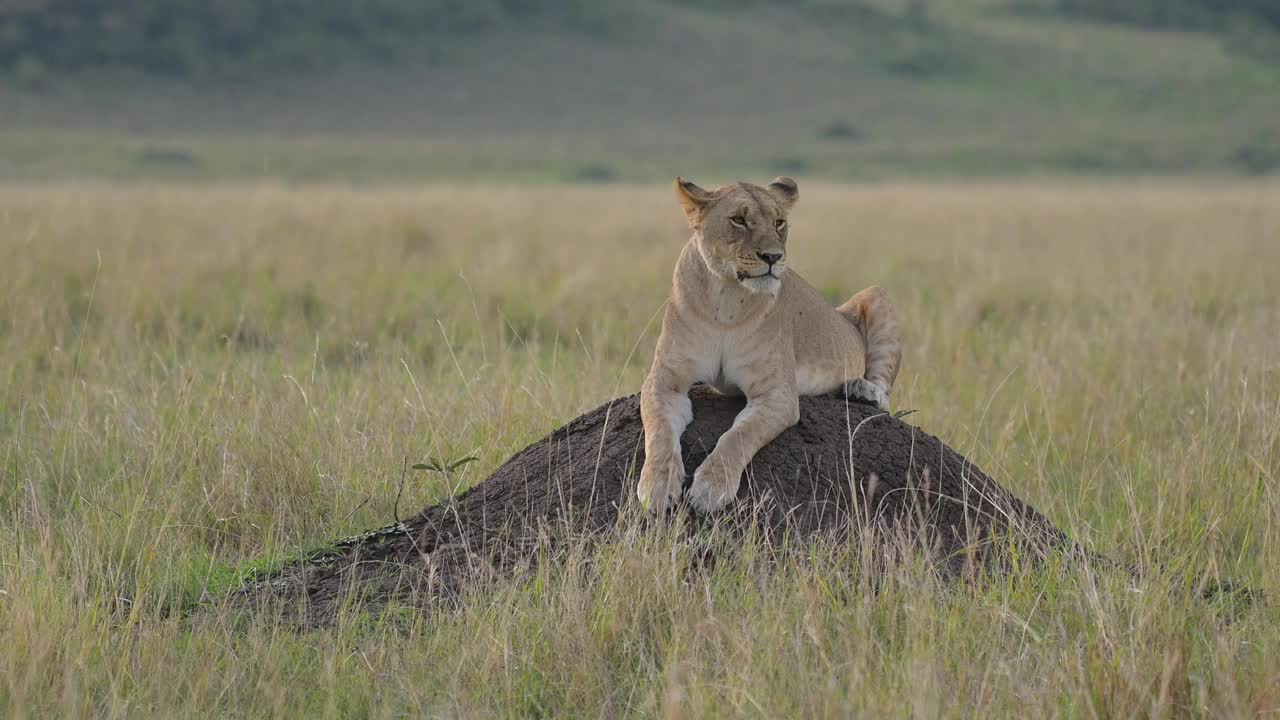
(844, 468)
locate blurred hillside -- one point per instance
(614, 90)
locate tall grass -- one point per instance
(198, 381)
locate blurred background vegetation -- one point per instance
(605, 90)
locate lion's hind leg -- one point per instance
(873, 314)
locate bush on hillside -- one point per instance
(195, 37)
(1210, 15)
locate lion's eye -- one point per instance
(739, 221)
(780, 225)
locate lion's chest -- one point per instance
(724, 385)
(729, 366)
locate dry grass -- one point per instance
(192, 380)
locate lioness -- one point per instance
(738, 321)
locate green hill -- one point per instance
(524, 90)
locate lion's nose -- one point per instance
(771, 258)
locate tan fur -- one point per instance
(747, 326)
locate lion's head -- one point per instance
(741, 229)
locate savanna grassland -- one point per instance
(638, 90)
(195, 381)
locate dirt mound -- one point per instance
(843, 468)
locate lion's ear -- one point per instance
(785, 191)
(693, 199)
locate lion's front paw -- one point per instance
(661, 483)
(714, 486)
(865, 391)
